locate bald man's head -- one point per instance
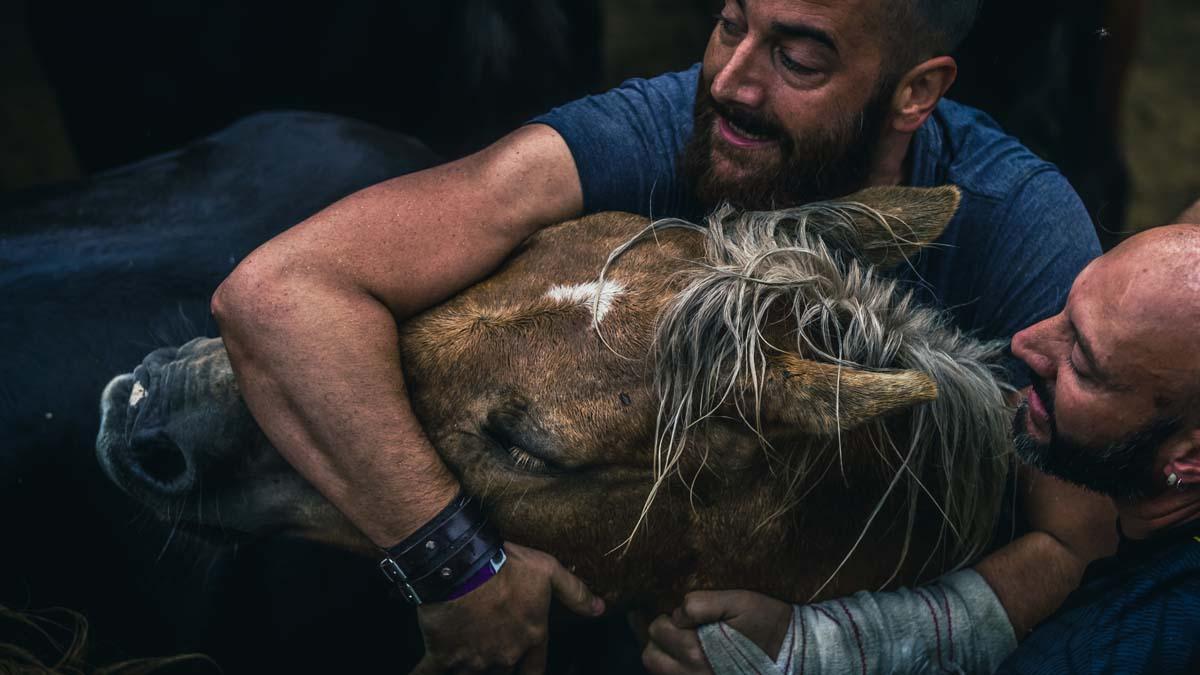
(1116, 375)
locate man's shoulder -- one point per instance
(672, 85)
(625, 143)
(973, 152)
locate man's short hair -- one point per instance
(920, 29)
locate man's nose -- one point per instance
(739, 81)
(1033, 347)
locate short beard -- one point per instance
(1120, 470)
(831, 163)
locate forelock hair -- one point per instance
(710, 338)
(920, 29)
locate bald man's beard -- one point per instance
(831, 162)
(1121, 470)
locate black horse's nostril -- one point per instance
(159, 460)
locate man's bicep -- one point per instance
(414, 240)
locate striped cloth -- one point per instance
(956, 625)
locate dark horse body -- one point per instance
(95, 274)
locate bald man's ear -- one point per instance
(919, 92)
(1183, 459)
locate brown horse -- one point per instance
(663, 407)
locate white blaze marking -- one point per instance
(585, 294)
(137, 394)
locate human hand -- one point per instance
(501, 626)
(674, 646)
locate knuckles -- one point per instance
(660, 629)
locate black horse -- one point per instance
(95, 274)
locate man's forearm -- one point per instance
(1031, 577)
(309, 318)
(320, 371)
(1034, 574)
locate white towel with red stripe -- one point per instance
(955, 625)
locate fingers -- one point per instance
(681, 644)
(534, 662)
(701, 607)
(572, 592)
(658, 662)
(674, 651)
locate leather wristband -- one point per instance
(444, 554)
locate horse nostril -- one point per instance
(159, 460)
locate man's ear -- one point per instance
(919, 92)
(1183, 459)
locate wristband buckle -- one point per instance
(391, 570)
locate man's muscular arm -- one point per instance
(309, 321)
(1070, 526)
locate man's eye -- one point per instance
(1075, 369)
(728, 26)
(794, 66)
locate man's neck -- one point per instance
(892, 162)
(1141, 519)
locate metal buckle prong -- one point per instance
(392, 571)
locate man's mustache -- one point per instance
(757, 123)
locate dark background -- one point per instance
(88, 86)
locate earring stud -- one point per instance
(1173, 480)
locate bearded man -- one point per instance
(795, 100)
(1113, 406)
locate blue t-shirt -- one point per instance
(1137, 612)
(1006, 260)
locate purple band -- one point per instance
(481, 577)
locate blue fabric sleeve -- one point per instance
(626, 143)
(1026, 260)
(1145, 623)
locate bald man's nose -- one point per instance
(1033, 346)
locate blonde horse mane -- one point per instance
(842, 311)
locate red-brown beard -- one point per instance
(833, 162)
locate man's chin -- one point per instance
(733, 176)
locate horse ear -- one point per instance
(821, 398)
(912, 218)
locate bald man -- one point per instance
(1114, 407)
